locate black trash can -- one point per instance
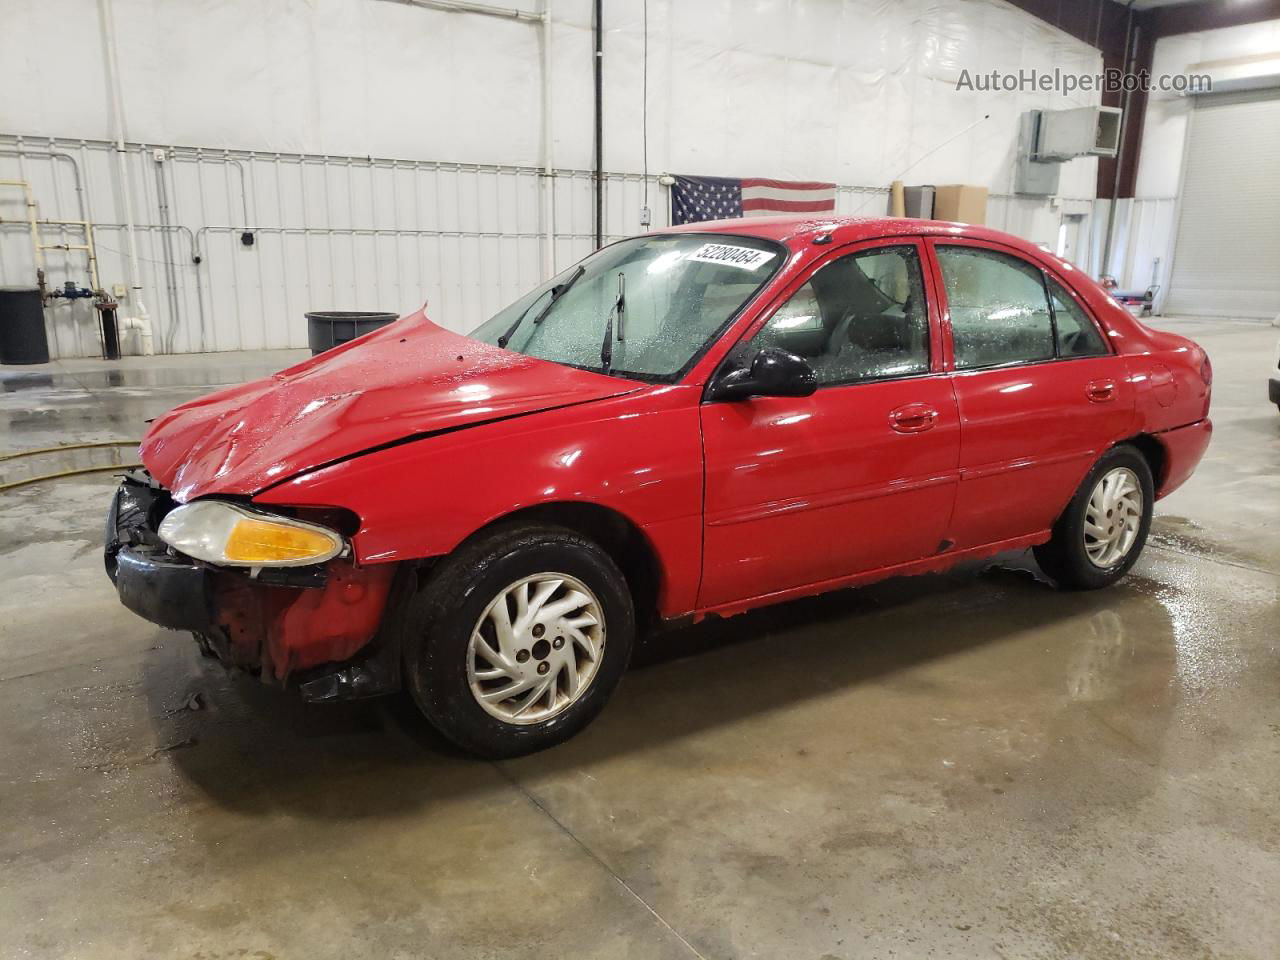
(330, 328)
(22, 335)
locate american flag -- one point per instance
(716, 198)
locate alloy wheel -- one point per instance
(536, 648)
(1113, 517)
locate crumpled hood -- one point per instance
(406, 379)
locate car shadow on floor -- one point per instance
(256, 749)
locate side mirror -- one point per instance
(773, 373)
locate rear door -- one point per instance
(861, 474)
(1039, 392)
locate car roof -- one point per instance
(796, 230)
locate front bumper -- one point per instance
(170, 592)
(305, 622)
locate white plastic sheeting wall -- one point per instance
(283, 104)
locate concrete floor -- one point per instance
(954, 766)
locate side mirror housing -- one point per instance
(772, 373)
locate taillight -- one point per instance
(1206, 371)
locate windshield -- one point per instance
(677, 292)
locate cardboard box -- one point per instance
(960, 203)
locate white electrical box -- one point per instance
(1082, 132)
(119, 291)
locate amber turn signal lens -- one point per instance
(225, 533)
(255, 543)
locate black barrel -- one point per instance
(22, 335)
(329, 328)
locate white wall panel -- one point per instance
(330, 233)
(284, 103)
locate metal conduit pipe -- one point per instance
(29, 202)
(598, 64)
(340, 159)
(117, 108)
(176, 227)
(171, 283)
(21, 151)
(197, 155)
(464, 6)
(381, 232)
(548, 172)
(1132, 35)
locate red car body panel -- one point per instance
(407, 379)
(428, 436)
(638, 455)
(281, 630)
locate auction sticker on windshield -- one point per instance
(748, 258)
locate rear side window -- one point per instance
(861, 317)
(999, 309)
(1078, 336)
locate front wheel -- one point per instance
(1101, 533)
(517, 639)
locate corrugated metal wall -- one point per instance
(329, 233)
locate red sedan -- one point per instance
(697, 421)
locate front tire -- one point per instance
(518, 639)
(1102, 532)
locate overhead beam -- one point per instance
(1179, 18)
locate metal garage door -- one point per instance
(1227, 259)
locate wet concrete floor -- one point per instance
(951, 766)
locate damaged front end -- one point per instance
(312, 624)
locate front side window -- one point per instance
(1078, 336)
(861, 317)
(999, 310)
(668, 296)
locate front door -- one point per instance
(858, 476)
(1040, 394)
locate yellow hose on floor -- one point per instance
(68, 473)
(69, 446)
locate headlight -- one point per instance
(227, 534)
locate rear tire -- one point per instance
(518, 639)
(1102, 532)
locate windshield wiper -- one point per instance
(619, 307)
(557, 292)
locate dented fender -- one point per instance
(638, 456)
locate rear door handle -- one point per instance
(1100, 391)
(913, 418)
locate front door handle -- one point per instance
(1100, 391)
(913, 418)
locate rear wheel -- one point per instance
(518, 639)
(1100, 535)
